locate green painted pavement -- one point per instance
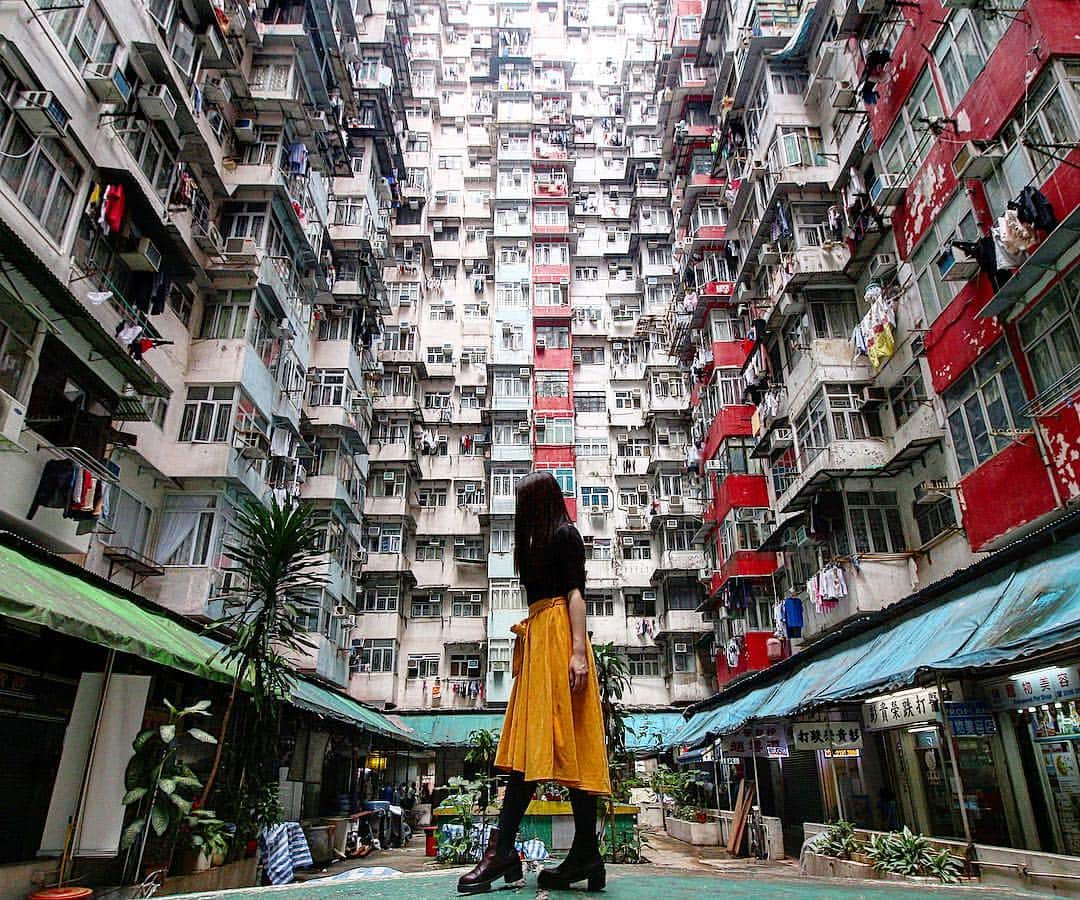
(624, 883)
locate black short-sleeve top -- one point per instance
(562, 569)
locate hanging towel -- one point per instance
(112, 208)
(284, 849)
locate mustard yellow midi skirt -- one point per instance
(549, 733)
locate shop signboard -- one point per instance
(970, 718)
(1055, 684)
(900, 709)
(826, 735)
(768, 741)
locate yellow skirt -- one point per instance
(549, 733)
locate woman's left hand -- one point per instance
(579, 672)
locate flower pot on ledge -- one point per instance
(700, 834)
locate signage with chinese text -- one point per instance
(904, 708)
(826, 735)
(768, 741)
(970, 718)
(841, 753)
(1052, 685)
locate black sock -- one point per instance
(586, 842)
(515, 801)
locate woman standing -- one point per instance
(554, 727)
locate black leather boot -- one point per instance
(585, 867)
(493, 865)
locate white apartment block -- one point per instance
(385, 260)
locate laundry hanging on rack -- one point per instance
(827, 588)
(113, 206)
(874, 336)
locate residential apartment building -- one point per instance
(529, 278)
(876, 407)
(188, 310)
(383, 260)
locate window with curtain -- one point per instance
(186, 536)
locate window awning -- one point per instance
(34, 591)
(1024, 608)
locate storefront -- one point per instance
(1039, 715)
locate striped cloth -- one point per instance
(361, 873)
(533, 850)
(284, 849)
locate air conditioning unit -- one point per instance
(145, 257)
(628, 541)
(541, 343)
(918, 345)
(781, 439)
(871, 397)
(955, 265)
(12, 416)
(757, 169)
(523, 245)
(212, 45)
(523, 427)
(671, 524)
(523, 373)
(244, 129)
(241, 249)
(217, 90)
(107, 82)
(680, 647)
(843, 95)
(341, 611)
(577, 357)
(769, 255)
(791, 305)
(974, 161)
(441, 197)
(157, 103)
(888, 189)
(498, 665)
(598, 512)
(42, 113)
(930, 492)
(564, 281)
(755, 514)
(882, 266)
(405, 370)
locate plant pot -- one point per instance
(701, 818)
(190, 861)
(218, 859)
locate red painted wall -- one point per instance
(737, 491)
(728, 354)
(1008, 490)
(755, 656)
(731, 420)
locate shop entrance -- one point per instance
(28, 763)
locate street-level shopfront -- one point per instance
(966, 729)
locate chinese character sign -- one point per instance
(827, 735)
(1052, 685)
(897, 710)
(768, 741)
(970, 718)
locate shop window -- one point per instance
(984, 406)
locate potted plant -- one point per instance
(906, 856)
(838, 852)
(158, 783)
(454, 848)
(204, 841)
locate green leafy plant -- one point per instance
(483, 745)
(945, 867)
(839, 841)
(910, 854)
(278, 554)
(551, 790)
(157, 781)
(460, 804)
(202, 830)
(626, 848)
(881, 850)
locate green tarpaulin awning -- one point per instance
(35, 592)
(1023, 608)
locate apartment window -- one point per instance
(387, 539)
(555, 337)
(225, 315)
(983, 405)
(565, 478)
(593, 402)
(511, 295)
(961, 51)
(208, 413)
(682, 595)
(550, 295)
(671, 484)
(431, 497)
(86, 34)
(422, 666)
(468, 606)
(440, 356)
(834, 318)
(643, 663)
(591, 356)
(592, 448)
(934, 519)
(381, 598)
(797, 145)
(555, 432)
(430, 549)
(628, 399)
(689, 27)
(727, 328)
(504, 481)
(427, 606)
(546, 215)
(634, 447)
(552, 383)
(908, 143)
(596, 497)
(956, 221)
(637, 605)
(187, 531)
(507, 595)
(41, 174)
(464, 665)
(636, 548)
(449, 163)
(599, 549)
(1051, 334)
(659, 256)
(586, 273)
(475, 310)
(377, 655)
(17, 328)
(437, 400)
(599, 605)
(507, 385)
(331, 387)
(469, 493)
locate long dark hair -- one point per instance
(540, 512)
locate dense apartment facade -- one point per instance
(875, 393)
(384, 260)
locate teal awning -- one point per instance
(450, 729)
(317, 699)
(651, 730)
(1024, 608)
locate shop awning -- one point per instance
(651, 730)
(449, 729)
(39, 593)
(1025, 607)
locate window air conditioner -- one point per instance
(628, 541)
(843, 94)
(145, 257)
(41, 113)
(523, 373)
(671, 524)
(12, 416)
(882, 266)
(405, 370)
(244, 130)
(888, 189)
(648, 596)
(871, 397)
(681, 648)
(157, 103)
(107, 82)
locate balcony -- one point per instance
(800, 266)
(679, 506)
(511, 452)
(388, 563)
(680, 621)
(821, 465)
(679, 561)
(325, 659)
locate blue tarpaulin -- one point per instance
(1022, 609)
